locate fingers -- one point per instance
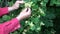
(29, 10)
(21, 2)
(24, 10)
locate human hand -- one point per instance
(15, 6)
(17, 3)
(24, 14)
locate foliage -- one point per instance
(40, 21)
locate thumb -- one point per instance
(29, 10)
(24, 10)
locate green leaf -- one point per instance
(32, 27)
(50, 16)
(1, 20)
(46, 1)
(35, 20)
(58, 3)
(26, 0)
(42, 12)
(48, 24)
(43, 3)
(28, 4)
(6, 18)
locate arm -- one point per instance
(6, 10)
(11, 25)
(3, 11)
(14, 24)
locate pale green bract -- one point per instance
(29, 4)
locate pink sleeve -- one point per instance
(11, 26)
(3, 11)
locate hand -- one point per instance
(17, 3)
(15, 6)
(24, 14)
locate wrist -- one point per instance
(13, 8)
(10, 8)
(19, 17)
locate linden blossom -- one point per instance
(28, 4)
